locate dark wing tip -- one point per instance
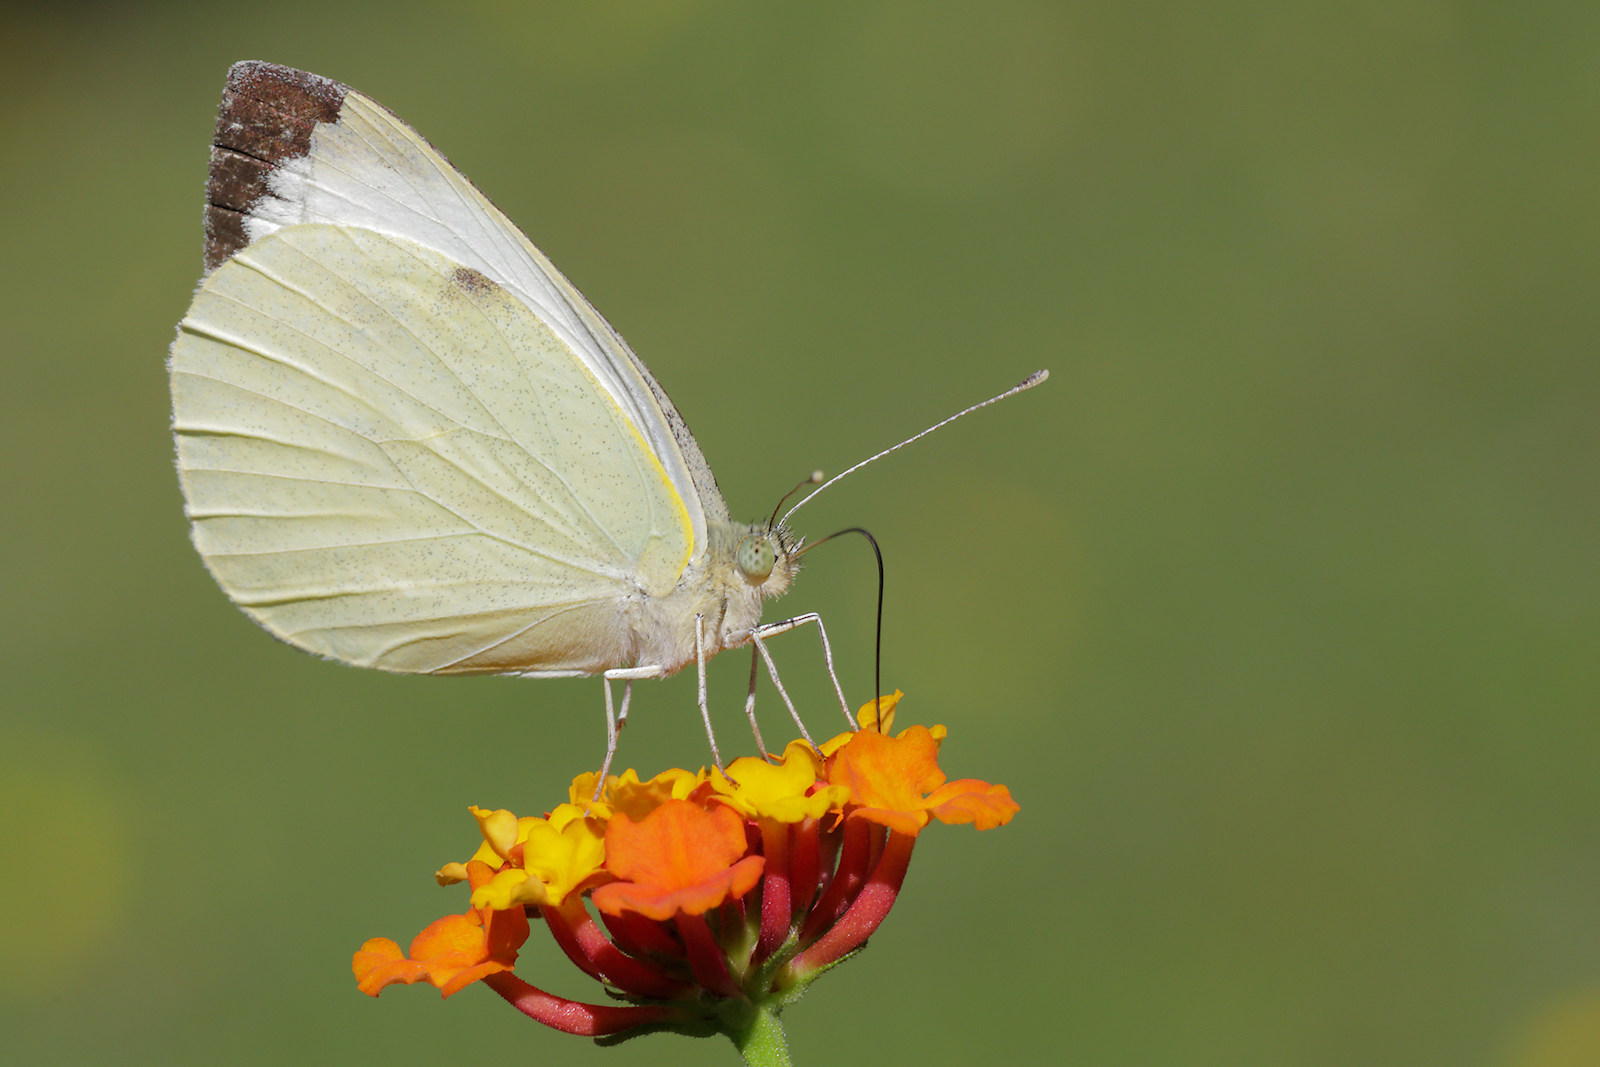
(285, 88)
(267, 116)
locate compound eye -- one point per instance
(756, 558)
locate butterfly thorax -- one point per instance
(743, 565)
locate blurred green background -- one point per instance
(1277, 608)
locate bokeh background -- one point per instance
(1278, 607)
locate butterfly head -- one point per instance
(767, 558)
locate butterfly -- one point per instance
(407, 442)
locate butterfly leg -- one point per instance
(616, 721)
(700, 662)
(750, 704)
(622, 712)
(772, 670)
(611, 743)
(614, 733)
(774, 628)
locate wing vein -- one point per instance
(387, 313)
(504, 640)
(537, 397)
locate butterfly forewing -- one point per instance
(365, 167)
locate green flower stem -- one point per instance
(758, 1035)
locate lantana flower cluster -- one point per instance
(702, 901)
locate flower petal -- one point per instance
(654, 902)
(889, 776)
(636, 799)
(565, 853)
(758, 789)
(972, 800)
(896, 781)
(380, 963)
(881, 710)
(510, 888)
(451, 953)
(679, 858)
(499, 829)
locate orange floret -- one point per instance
(896, 782)
(679, 859)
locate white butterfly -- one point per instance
(408, 442)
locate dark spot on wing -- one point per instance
(267, 117)
(472, 281)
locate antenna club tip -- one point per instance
(1034, 379)
(816, 477)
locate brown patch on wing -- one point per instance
(472, 281)
(267, 116)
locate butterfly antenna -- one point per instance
(1027, 383)
(877, 648)
(811, 479)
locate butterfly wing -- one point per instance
(406, 441)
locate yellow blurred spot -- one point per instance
(1563, 1034)
(64, 882)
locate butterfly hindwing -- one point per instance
(393, 461)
